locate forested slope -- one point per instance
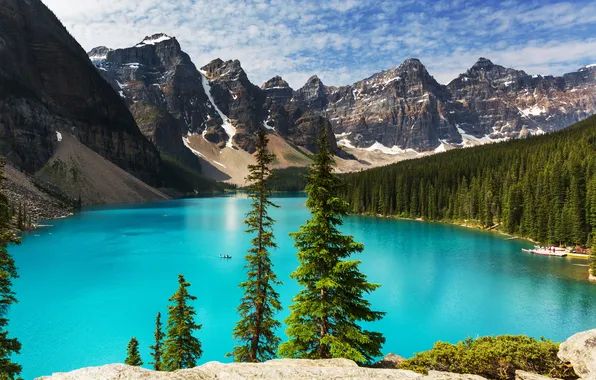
(541, 187)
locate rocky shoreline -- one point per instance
(40, 200)
(579, 350)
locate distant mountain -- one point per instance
(406, 108)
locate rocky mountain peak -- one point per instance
(224, 70)
(411, 64)
(314, 79)
(275, 82)
(99, 54)
(313, 93)
(590, 67)
(154, 39)
(483, 64)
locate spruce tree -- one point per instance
(255, 331)
(157, 348)
(325, 315)
(8, 272)
(133, 357)
(181, 348)
(593, 256)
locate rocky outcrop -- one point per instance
(290, 369)
(580, 351)
(47, 84)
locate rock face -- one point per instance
(580, 351)
(405, 108)
(165, 93)
(506, 102)
(47, 84)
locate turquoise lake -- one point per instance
(90, 282)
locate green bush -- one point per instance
(493, 357)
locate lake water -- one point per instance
(90, 282)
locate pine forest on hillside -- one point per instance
(543, 187)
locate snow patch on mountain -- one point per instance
(154, 40)
(441, 148)
(470, 140)
(535, 110)
(227, 125)
(377, 146)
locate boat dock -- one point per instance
(546, 251)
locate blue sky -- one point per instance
(343, 41)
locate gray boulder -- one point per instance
(580, 351)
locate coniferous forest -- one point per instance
(542, 187)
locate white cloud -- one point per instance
(345, 40)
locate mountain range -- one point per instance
(111, 125)
(403, 112)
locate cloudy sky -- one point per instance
(343, 41)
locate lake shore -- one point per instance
(474, 226)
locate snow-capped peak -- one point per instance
(590, 66)
(154, 39)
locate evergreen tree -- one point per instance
(8, 272)
(20, 217)
(255, 330)
(543, 187)
(181, 348)
(325, 316)
(133, 357)
(157, 348)
(593, 257)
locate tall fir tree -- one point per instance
(255, 331)
(325, 315)
(8, 272)
(157, 348)
(593, 256)
(181, 348)
(133, 357)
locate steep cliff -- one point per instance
(48, 85)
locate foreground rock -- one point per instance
(287, 369)
(523, 375)
(580, 350)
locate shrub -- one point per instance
(493, 357)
